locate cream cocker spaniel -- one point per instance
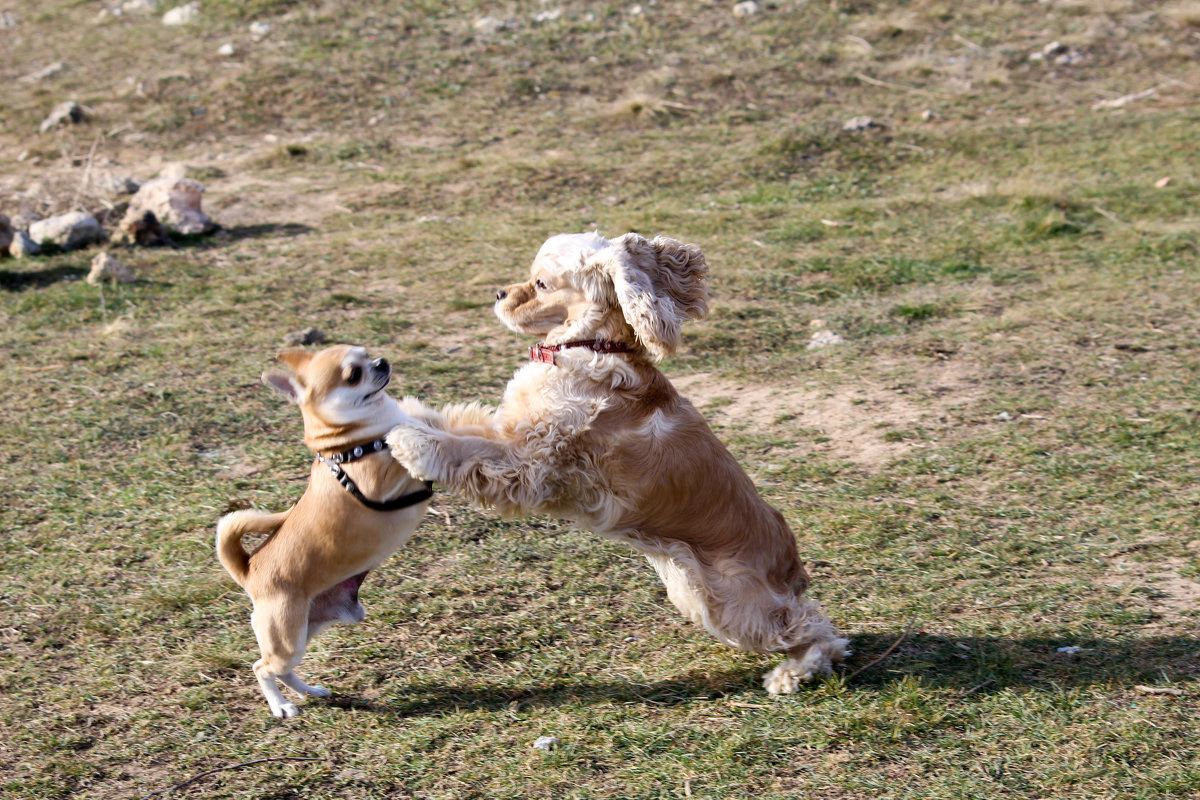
(592, 431)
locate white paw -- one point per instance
(317, 691)
(785, 680)
(412, 447)
(285, 710)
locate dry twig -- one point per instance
(886, 653)
(195, 778)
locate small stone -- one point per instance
(117, 184)
(490, 26)
(1162, 183)
(1004, 416)
(69, 231)
(182, 15)
(301, 338)
(856, 124)
(825, 338)
(929, 115)
(176, 204)
(107, 268)
(69, 112)
(8, 20)
(545, 743)
(136, 6)
(745, 9)
(23, 246)
(260, 29)
(227, 50)
(6, 234)
(549, 15)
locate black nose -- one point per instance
(380, 365)
(500, 295)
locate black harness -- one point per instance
(335, 461)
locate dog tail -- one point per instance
(230, 531)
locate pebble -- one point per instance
(860, 124)
(545, 743)
(108, 268)
(825, 339)
(182, 15)
(747, 8)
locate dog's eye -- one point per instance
(354, 376)
(541, 285)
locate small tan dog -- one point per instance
(307, 574)
(592, 431)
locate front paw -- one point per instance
(416, 447)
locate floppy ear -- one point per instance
(287, 385)
(659, 285)
(295, 358)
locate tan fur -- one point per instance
(606, 441)
(306, 575)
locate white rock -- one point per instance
(226, 50)
(116, 184)
(1004, 416)
(825, 338)
(260, 29)
(489, 26)
(545, 743)
(748, 8)
(69, 231)
(549, 15)
(8, 20)
(176, 204)
(108, 268)
(859, 124)
(69, 112)
(135, 6)
(23, 246)
(182, 15)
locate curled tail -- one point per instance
(230, 531)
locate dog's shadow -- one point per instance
(960, 667)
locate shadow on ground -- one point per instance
(962, 666)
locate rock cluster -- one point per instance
(156, 210)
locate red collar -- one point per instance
(544, 353)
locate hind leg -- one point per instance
(281, 627)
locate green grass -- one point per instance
(1002, 452)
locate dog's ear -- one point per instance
(295, 358)
(286, 385)
(289, 386)
(659, 285)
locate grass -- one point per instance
(1002, 453)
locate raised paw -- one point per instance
(415, 446)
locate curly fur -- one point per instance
(605, 440)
